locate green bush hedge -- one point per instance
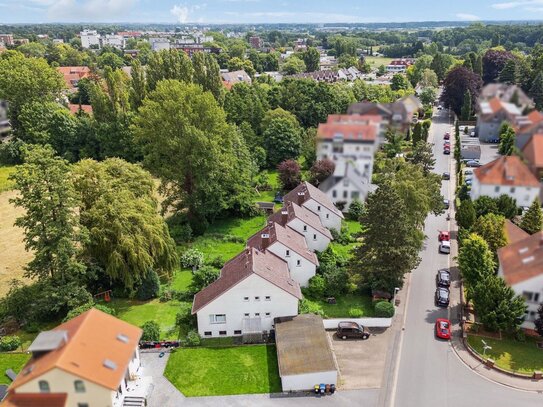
(384, 309)
(9, 343)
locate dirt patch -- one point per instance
(12, 250)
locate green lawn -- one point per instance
(353, 227)
(224, 371)
(345, 303)
(181, 280)
(13, 361)
(138, 312)
(5, 184)
(509, 354)
(215, 242)
(375, 62)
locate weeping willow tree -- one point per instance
(127, 237)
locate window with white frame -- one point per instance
(314, 237)
(79, 386)
(305, 228)
(245, 298)
(298, 263)
(327, 216)
(44, 386)
(318, 208)
(257, 314)
(217, 319)
(530, 296)
(268, 298)
(257, 298)
(246, 315)
(268, 314)
(287, 253)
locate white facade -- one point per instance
(315, 240)
(117, 41)
(532, 291)
(341, 153)
(158, 44)
(307, 381)
(396, 68)
(523, 195)
(328, 218)
(301, 269)
(90, 38)
(253, 297)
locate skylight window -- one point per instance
(528, 259)
(123, 338)
(110, 364)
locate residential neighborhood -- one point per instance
(256, 204)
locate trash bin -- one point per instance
(327, 389)
(332, 388)
(322, 388)
(316, 389)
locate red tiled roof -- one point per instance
(75, 108)
(72, 74)
(251, 261)
(522, 260)
(311, 192)
(495, 104)
(287, 236)
(533, 150)
(92, 338)
(513, 232)
(349, 131)
(294, 211)
(354, 118)
(35, 400)
(508, 171)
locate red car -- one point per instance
(443, 328)
(444, 236)
(446, 136)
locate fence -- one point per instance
(366, 322)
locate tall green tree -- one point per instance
(491, 227)
(465, 216)
(214, 175)
(507, 206)
(390, 244)
(207, 75)
(293, 65)
(138, 88)
(536, 91)
(168, 64)
(399, 82)
(532, 221)
(246, 103)
(23, 80)
(423, 156)
(282, 140)
(476, 262)
(50, 222)
(312, 59)
(509, 72)
(497, 305)
(465, 113)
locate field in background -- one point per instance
(375, 62)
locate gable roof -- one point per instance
(508, 171)
(295, 211)
(366, 133)
(513, 232)
(495, 105)
(251, 261)
(35, 399)
(533, 150)
(505, 92)
(72, 74)
(287, 236)
(311, 192)
(74, 108)
(92, 339)
(522, 260)
(236, 77)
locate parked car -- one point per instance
(447, 143)
(473, 163)
(447, 151)
(446, 175)
(347, 329)
(446, 203)
(467, 171)
(442, 297)
(444, 236)
(445, 246)
(443, 328)
(494, 140)
(440, 107)
(443, 278)
(446, 136)
(468, 181)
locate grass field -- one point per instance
(224, 371)
(5, 184)
(181, 280)
(345, 303)
(375, 62)
(509, 354)
(13, 361)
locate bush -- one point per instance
(335, 279)
(355, 210)
(310, 307)
(85, 307)
(356, 313)
(180, 230)
(203, 277)
(151, 331)
(193, 339)
(185, 318)
(520, 336)
(192, 259)
(9, 343)
(168, 295)
(217, 262)
(316, 287)
(149, 288)
(384, 309)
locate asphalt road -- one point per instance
(429, 372)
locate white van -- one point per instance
(445, 246)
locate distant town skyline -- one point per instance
(264, 11)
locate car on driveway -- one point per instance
(446, 136)
(348, 329)
(468, 181)
(443, 278)
(440, 107)
(446, 175)
(473, 163)
(443, 328)
(446, 151)
(472, 134)
(442, 297)
(444, 236)
(446, 203)
(445, 246)
(468, 171)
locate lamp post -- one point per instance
(485, 347)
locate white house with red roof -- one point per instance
(490, 116)
(290, 246)
(521, 266)
(506, 175)
(253, 288)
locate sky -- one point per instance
(266, 11)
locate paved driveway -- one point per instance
(361, 362)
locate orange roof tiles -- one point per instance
(533, 150)
(507, 170)
(72, 74)
(35, 400)
(348, 131)
(522, 260)
(513, 232)
(92, 338)
(75, 108)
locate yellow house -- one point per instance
(90, 361)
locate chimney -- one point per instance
(265, 240)
(284, 217)
(301, 198)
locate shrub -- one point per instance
(180, 230)
(217, 262)
(151, 331)
(85, 307)
(355, 312)
(9, 343)
(185, 318)
(193, 339)
(384, 309)
(335, 279)
(520, 336)
(168, 295)
(355, 210)
(203, 277)
(149, 288)
(290, 174)
(310, 307)
(192, 259)
(317, 286)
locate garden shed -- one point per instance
(303, 352)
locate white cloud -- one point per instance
(300, 17)
(184, 12)
(516, 4)
(468, 17)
